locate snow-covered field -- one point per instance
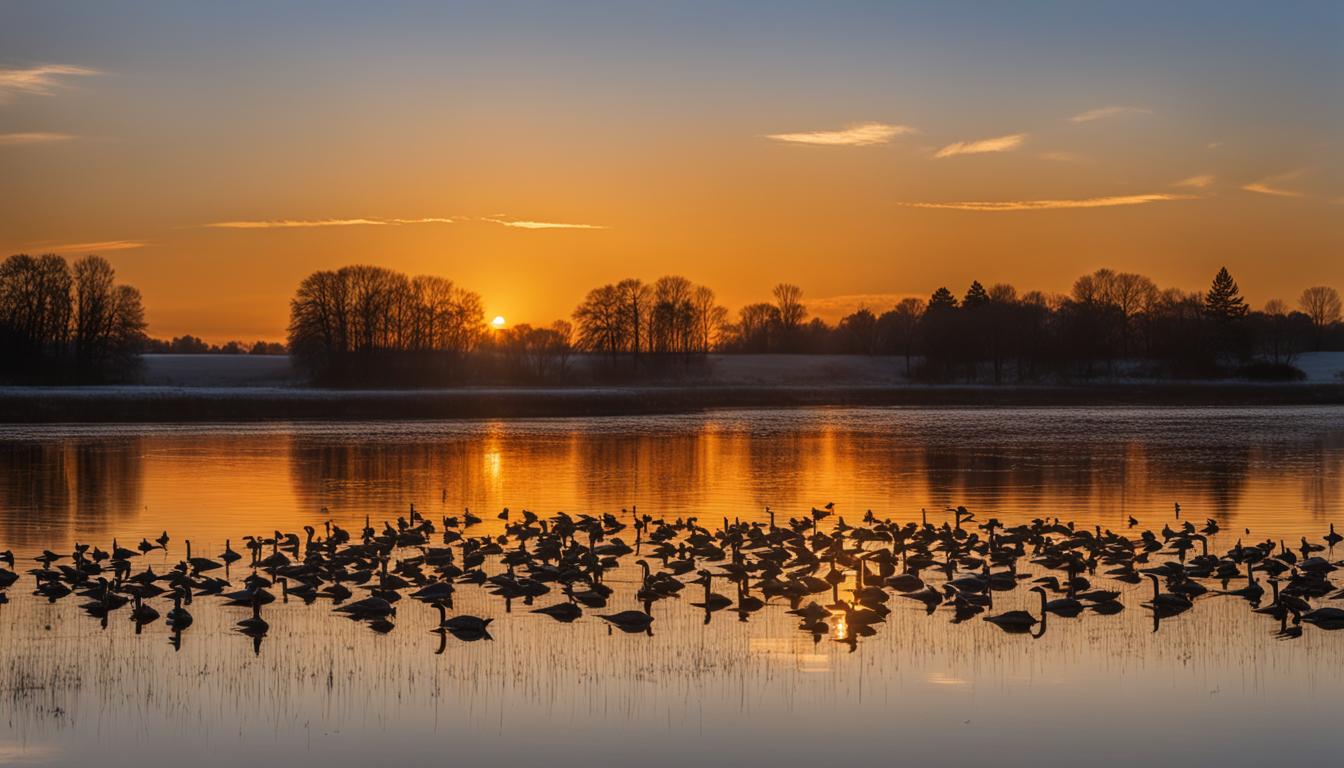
(216, 370)
(1322, 366)
(725, 370)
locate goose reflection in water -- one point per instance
(765, 564)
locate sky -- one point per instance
(216, 153)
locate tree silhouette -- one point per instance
(942, 299)
(976, 296)
(1320, 303)
(1223, 301)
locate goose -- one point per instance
(1017, 622)
(368, 608)
(1169, 604)
(142, 613)
(1066, 607)
(178, 618)
(229, 556)
(713, 601)
(439, 590)
(811, 613)
(463, 623)
(562, 612)
(200, 564)
(254, 625)
(905, 583)
(1333, 538)
(1252, 591)
(628, 621)
(1325, 618)
(747, 602)
(931, 598)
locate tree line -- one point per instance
(67, 323)
(187, 344)
(366, 324)
(71, 322)
(348, 323)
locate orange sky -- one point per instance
(845, 151)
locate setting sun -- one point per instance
(498, 322)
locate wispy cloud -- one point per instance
(33, 137)
(832, 308)
(391, 222)
(1101, 113)
(1047, 205)
(997, 144)
(525, 224)
(1063, 157)
(857, 135)
(1273, 185)
(96, 247)
(311, 223)
(39, 80)
(1202, 181)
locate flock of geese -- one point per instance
(838, 574)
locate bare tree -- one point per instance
(789, 302)
(365, 322)
(1321, 303)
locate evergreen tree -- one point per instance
(942, 299)
(1223, 300)
(976, 296)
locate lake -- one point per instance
(1212, 686)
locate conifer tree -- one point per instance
(1223, 301)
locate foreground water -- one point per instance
(1210, 687)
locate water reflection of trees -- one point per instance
(575, 472)
(50, 489)
(716, 470)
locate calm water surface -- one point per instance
(1210, 687)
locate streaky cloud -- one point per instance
(1050, 205)
(833, 308)
(40, 80)
(1101, 113)
(1273, 185)
(101, 245)
(312, 223)
(997, 144)
(857, 135)
(1201, 181)
(525, 224)
(1063, 157)
(33, 137)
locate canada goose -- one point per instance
(229, 556)
(628, 621)
(178, 618)
(562, 612)
(463, 623)
(254, 625)
(1169, 604)
(1333, 538)
(1019, 621)
(713, 601)
(368, 608)
(142, 613)
(200, 564)
(439, 590)
(1325, 618)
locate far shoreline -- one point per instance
(160, 404)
